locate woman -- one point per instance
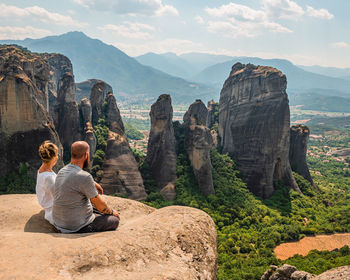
(46, 177)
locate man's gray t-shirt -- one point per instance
(72, 209)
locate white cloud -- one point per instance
(321, 13)
(340, 45)
(20, 33)
(133, 30)
(39, 14)
(286, 9)
(236, 11)
(242, 21)
(143, 7)
(199, 20)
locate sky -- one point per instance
(306, 32)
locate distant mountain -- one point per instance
(169, 63)
(299, 80)
(185, 66)
(343, 73)
(92, 58)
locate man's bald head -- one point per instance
(79, 149)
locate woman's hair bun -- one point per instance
(47, 151)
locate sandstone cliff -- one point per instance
(213, 116)
(299, 136)
(83, 89)
(174, 242)
(161, 154)
(120, 170)
(86, 117)
(198, 142)
(24, 120)
(65, 111)
(254, 122)
(97, 97)
(288, 272)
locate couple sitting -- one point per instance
(69, 197)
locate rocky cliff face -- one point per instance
(161, 154)
(83, 89)
(97, 98)
(213, 110)
(299, 136)
(24, 120)
(86, 117)
(254, 122)
(198, 142)
(175, 242)
(120, 170)
(65, 111)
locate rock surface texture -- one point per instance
(299, 136)
(65, 111)
(177, 243)
(97, 97)
(86, 117)
(161, 154)
(120, 170)
(83, 89)
(254, 122)
(198, 142)
(213, 110)
(288, 272)
(24, 120)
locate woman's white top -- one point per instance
(44, 184)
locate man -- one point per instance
(74, 193)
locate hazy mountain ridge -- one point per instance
(93, 58)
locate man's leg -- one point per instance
(101, 223)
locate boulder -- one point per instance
(24, 120)
(198, 142)
(288, 272)
(174, 242)
(254, 122)
(161, 154)
(299, 136)
(83, 89)
(120, 170)
(65, 110)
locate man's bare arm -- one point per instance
(102, 206)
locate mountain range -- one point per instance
(132, 81)
(187, 76)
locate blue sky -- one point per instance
(307, 32)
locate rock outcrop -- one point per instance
(299, 136)
(213, 113)
(161, 154)
(24, 120)
(65, 111)
(83, 89)
(174, 242)
(198, 142)
(254, 122)
(288, 272)
(97, 97)
(120, 170)
(86, 117)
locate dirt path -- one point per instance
(305, 245)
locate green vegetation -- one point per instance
(249, 228)
(17, 182)
(318, 261)
(137, 123)
(101, 132)
(132, 133)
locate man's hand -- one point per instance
(98, 188)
